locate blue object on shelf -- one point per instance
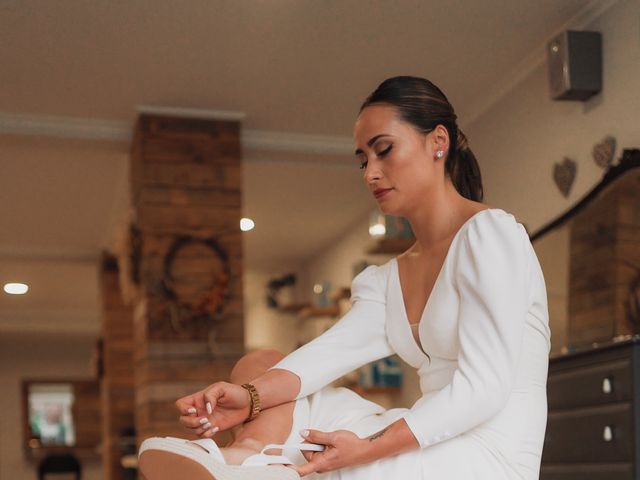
(382, 373)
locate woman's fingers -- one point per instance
(315, 460)
(212, 409)
(316, 464)
(200, 426)
(191, 404)
(193, 422)
(186, 406)
(197, 404)
(316, 436)
(211, 395)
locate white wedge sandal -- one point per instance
(170, 458)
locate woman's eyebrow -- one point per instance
(371, 141)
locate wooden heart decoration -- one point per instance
(603, 152)
(564, 174)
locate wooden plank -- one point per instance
(212, 196)
(584, 301)
(186, 369)
(226, 151)
(189, 176)
(194, 129)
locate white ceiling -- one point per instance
(297, 69)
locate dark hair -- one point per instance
(423, 105)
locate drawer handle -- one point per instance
(607, 434)
(607, 386)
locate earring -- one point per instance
(439, 154)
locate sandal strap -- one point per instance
(310, 447)
(210, 446)
(268, 459)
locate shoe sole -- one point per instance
(158, 463)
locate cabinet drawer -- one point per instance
(599, 434)
(617, 471)
(594, 384)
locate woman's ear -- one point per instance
(441, 138)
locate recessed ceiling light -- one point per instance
(246, 224)
(377, 230)
(16, 288)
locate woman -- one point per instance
(465, 305)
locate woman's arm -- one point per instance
(492, 277)
(346, 449)
(226, 405)
(357, 338)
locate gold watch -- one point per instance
(255, 406)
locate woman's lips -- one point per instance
(382, 192)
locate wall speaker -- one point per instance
(574, 60)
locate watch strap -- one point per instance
(255, 407)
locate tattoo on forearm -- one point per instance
(378, 435)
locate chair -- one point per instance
(59, 463)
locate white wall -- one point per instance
(518, 141)
(266, 327)
(520, 138)
(35, 356)
(335, 263)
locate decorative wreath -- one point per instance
(212, 303)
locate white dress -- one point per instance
(483, 410)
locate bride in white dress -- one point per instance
(473, 286)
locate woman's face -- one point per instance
(396, 158)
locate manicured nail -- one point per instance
(304, 433)
(192, 411)
(206, 426)
(209, 409)
(215, 429)
(203, 420)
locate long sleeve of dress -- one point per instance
(491, 275)
(358, 338)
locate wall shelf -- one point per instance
(294, 307)
(314, 312)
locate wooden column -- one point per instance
(188, 314)
(605, 240)
(116, 383)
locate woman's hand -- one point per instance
(218, 407)
(343, 449)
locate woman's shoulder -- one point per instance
(490, 234)
(493, 224)
(371, 282)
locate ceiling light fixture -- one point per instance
(16, 288)
(246, 224)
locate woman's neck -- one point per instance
(438, 217)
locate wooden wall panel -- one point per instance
(186, 179)
(116, 385)
(604, 241)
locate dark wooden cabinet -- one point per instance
(593, 427)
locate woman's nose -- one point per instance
(371, 172)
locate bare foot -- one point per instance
(238, 451)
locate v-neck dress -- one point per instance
(482, 361)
